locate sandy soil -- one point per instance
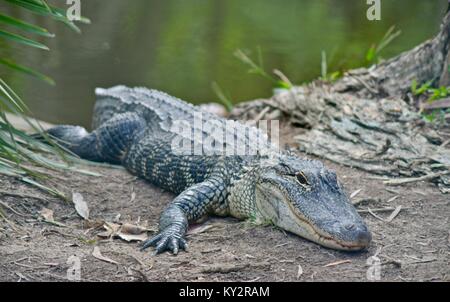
(415, 245)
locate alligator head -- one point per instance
(305, 198)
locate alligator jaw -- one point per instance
(324, 216)
(307, 230)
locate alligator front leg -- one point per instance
(191, 205)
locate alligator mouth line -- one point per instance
(327, 240)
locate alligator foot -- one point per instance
(169, 239)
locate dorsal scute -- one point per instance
(162, 112)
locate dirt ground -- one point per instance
(414, 246)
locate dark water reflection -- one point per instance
(183, 46)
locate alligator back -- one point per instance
(166, 115)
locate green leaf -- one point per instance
(25, 26)
(22, 40)
(27, 70)
(370, 55)
(42, 8)
(221, 95)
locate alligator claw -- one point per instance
(167, 240)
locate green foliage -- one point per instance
(439, 93)
(21, 156)
(225, 100)
(373, 54)
(258, 68)
(433, 94)
(420, 90)
(325, 76)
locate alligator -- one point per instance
(140, 129)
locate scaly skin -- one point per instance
(137, 128)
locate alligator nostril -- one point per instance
(364, 238)
(350, 226)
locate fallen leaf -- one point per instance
(132, 237)
(97, 254)
(200, 229)
(47, 214)
(392, 198)
(80, 205)
(394, 214)
(128, 232)
(337, 263)
(129, 228)
(355, 193)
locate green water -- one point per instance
(182, 47)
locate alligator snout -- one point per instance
(358, 234)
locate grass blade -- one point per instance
(22, 40)
(28, 27)
(26, 70)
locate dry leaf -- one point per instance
(355, 193)
(127, 232)
(200, 229)
(80, 205)
(128, 228)
(132, 237)
(47, 214)
(394, 214)
(97, 254)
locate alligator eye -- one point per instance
(301, 179)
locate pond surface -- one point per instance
(182, 47)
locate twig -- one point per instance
(21, 276)
(392, 199)
(225, 268)
(7, 221)
(22, 195)
(356, 202)
(418, 260)
(253, 280)
(282, 244)
(374, 215)
(392, 191)
(12, 210)
(261, 114)
(217, 249)
(337, 263)
(376, 210)
(366, 85)
(400, 181)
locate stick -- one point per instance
(12, 210)
(400, 181)
(374, 215)
(225, 268)
(22, 195)
(376, 210)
